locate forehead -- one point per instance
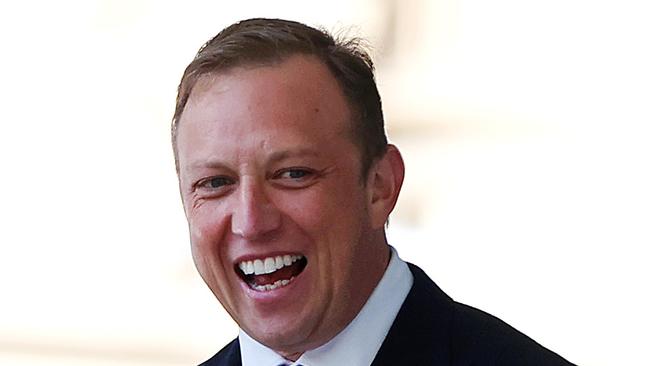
(292, 100)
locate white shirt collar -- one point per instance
(359, 342)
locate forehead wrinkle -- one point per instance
(209, 164)
(290, 153)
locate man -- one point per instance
(287, 181)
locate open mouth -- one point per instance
(270, 273)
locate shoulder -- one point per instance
(474, 336)
(228, 356)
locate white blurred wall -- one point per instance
(524, 126)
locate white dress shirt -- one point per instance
(358, 343)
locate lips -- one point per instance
(270, 273)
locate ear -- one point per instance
(384, 184)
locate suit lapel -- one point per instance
(420, 333)
(230, 355)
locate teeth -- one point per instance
(259, 267)
(287, 260)
(279, 263)
(267, 265)
(269, 287)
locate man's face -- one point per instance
(277, 209)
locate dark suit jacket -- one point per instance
(432, 329)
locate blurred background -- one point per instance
(524, 126)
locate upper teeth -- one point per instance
(267, 265)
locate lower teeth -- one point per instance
(269, 287)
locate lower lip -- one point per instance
(277, 294)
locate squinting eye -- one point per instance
(294, 174)
(295, 177)
(216, 182)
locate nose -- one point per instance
(254, 216)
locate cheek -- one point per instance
(206, 224)
(206, 233)
(322, 202)
(332, 218)
(310, 210)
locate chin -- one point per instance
(285, 337)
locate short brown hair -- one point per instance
(261, 41)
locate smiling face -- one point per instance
(285, 231)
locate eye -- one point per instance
(295, 177)
(215, 182)
(294, 174)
